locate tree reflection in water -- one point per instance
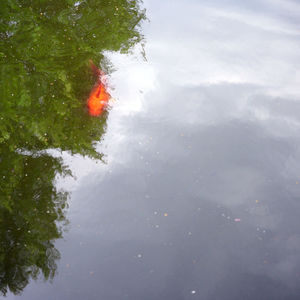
(31, 218)
(45, 81)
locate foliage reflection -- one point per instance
(45, 80)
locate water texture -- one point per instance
(188, 187)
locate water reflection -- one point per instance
(204, 146)
(46, 46)
(199, 196)
(32, 214)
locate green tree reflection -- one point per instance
(31, 209)
(45, 80)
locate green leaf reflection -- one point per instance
(45, 81)
(31, 209)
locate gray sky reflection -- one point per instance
(199, 198)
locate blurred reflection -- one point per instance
(46, 46)
(31, 209)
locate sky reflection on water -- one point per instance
(199, 198)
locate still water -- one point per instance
(188, 187)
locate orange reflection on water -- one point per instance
(99, 97)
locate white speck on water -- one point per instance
(193, 292)
(139, 255)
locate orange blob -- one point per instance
(98, 99)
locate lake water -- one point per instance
(197, 195)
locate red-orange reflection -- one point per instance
(99, 97)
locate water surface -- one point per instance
(197, 196)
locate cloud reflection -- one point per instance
(207, 132)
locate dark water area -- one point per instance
(188, 187)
